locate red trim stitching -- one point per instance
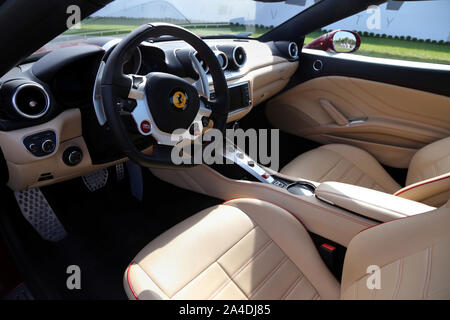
(223, 203)
(396, 194)
(421, 184)
(129, 283)
(340, 215)
(377, 225)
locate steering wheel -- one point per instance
(162, 102)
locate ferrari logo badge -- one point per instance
(179, 100)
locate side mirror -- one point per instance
(337, 41)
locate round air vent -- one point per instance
(293, 50)
(222, 58)
(239, 56)
(30, 100)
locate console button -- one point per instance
(48, 146)
(72, 156)
(279, 184)
(32, 147)
(41, 144)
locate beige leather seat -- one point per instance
(251, 249)
(428, 179)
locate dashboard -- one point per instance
(50, 130)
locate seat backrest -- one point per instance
(428, 179)
(408, 258)
(430, 161)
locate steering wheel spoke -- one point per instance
(137, 89)
(146, 125)
(202, 84)
(144, 121)
(205, 109)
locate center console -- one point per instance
(245, 167)
(335, 211)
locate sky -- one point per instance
(421, 19)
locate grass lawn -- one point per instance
(370, 46)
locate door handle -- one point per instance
(356, 121)
(334, 113)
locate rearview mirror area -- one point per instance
(340, 41)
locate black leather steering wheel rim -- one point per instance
(115, 85)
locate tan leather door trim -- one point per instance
(391, 122)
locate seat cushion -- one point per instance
(244, 249)
(341, 163)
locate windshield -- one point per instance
(244, 18)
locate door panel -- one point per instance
(390, 121)
(428, 77)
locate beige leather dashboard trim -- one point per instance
(26, 175)
(267, 74)
(328, 221)
(25, 169)
(369, 203)
(394, 121)
(265, 82)
(67, 126)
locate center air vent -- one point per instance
(239, 56)
(30, 100)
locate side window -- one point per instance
(414, 31)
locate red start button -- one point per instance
(146, 126)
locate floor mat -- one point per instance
(106, 229)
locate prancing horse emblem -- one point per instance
(179, 100)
